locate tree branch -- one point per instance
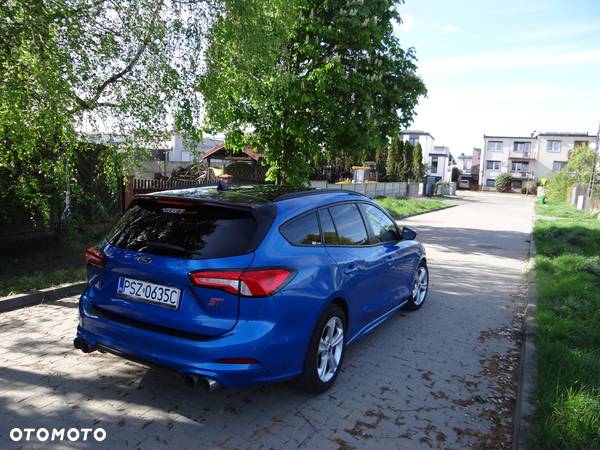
(86, 104)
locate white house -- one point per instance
(422, 137)
(526, 157)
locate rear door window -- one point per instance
(303, 230)
(384, 228)
(328, 228)
(349, 224)
(193, 231)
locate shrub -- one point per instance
(558, 187)
(503, 182)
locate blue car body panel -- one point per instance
(371, 282)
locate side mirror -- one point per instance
(408, 234)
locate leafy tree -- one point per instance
(380, 160)
(70, 65)
(417, 163)
(577, 171)
(407, 162)
(391, 166)
(503, 182)
(305, 77)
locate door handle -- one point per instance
(350, 269)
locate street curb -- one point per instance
(525, 407)
(43, 295)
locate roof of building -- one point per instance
(417, 132)
(220, 152)
(564, 133)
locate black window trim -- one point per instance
(370, 235)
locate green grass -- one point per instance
(562, 210)
(400, 208)
(568, 335)
(46, 262)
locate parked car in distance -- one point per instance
(247, 285)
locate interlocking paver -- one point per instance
(411, 383)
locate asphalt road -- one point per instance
(441, 377)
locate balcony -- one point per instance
(521, 174)
(521, 155)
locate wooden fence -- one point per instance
(137, 186)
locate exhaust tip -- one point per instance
(193, 380)
(190, 381)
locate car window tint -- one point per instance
(327, 227)
(384, 229)
(184, 231)
(349, 224)
(303, 231)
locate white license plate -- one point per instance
(149, 292)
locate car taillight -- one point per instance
(246, 283)
(94, 257)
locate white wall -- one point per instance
(545, 159)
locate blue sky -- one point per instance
(504, 67)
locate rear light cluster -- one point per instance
(246, 283)
(94, 257)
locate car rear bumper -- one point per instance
(257, 339)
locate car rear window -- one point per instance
(193, 231)
(303, 230)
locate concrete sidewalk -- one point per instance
(441, 377)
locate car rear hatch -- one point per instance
(142, 275)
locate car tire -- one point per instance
(325, 352)
(420, 287)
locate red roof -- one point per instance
(213, 152)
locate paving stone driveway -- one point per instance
(441, 377)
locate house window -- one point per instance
(434, 164)
(581, 143)
(490, 182)
(557, 166)
(522, 147)
(553, 146)
(518, 166)
(516, 184)
(492, 165)
(494, 146)
(413, 140)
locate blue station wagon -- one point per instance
(249, 284)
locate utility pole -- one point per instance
(593, 177)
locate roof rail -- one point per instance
(313, 191)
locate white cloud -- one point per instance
(557, 31)
(521, 59)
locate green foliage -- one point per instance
(407, 163)
(380, 160)
(72, 64)
(309, 78)
(417, 164)
(455, 174)
(391, 166)
(400, 208)
(567, 391)
(559, 187)
(503, 182)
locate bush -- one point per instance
(503, 182)
(529, 187)
(558, 187)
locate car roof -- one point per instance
(249, 195)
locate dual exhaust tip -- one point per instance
(191, 380)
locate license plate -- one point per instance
(149, 292)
